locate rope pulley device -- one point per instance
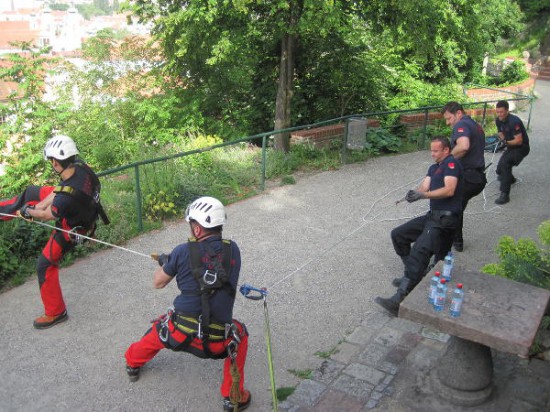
(253, 293)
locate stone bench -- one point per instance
(497, 313)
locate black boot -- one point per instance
(503, 199)
(392, 304)
(397, 281)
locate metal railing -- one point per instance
(264, 136)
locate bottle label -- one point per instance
(455, 305)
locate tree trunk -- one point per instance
(284, 92)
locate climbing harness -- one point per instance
(253, 293)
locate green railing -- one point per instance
(264, 138)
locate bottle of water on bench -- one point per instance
(440, 296)
(448, 267)
(456, 301)
(434, 281)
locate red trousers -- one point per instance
(56, 247)
(142, 351)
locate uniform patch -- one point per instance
(451, 165)
(460, 130)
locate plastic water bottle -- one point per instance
(440, 296)
(456, 301)
(448, 267)
(434, 281)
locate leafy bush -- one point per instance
(160, 205)
(524, 261)
(513, 73)
(381, 140)
(20, 244)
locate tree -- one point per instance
(242, 61)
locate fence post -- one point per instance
(138, 199)
(345, 143)
(530, 108)
(264, 157)
(483, 122)
(425, 128)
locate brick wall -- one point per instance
(323, 136)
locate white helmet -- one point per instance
(207, 212)
(60, 147)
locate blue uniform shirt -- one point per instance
(475, 157)
(512, 126)
(189, 301)
(437, 173)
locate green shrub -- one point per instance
(524, 261)
(513, 73)
(381, 140)
(160, 205)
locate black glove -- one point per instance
(413, 196)
(163, 258)
(24, 211)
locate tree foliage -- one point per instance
(251, 62)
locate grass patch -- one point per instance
(284, 392)
(302, 374)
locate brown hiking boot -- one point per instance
(44, 321)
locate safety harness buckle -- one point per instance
(76, 237)
(199, 328)
(210, 278)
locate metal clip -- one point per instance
(232, 350)
(209, 277)
(75, 236)
(163, 328)
(199, 329)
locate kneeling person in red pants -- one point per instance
(206, 269)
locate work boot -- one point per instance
(397, 281)
(502, 199)
(133, 373)
(392, 304)
(458, 245)
(45, 321)
(228, 406)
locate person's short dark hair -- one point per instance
(65, 162)
(443, 140)
(452, 107)
(503, 104)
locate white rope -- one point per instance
(77, 234)
(373, 220)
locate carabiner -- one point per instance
(259, 293)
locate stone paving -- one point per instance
(385, 363)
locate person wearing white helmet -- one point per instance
(73, 205)
(206, 269)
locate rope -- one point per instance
(269, 357)
(235, 392)
(76, 234)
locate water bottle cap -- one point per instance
(459, 285)
(438, 273)
(443, 281)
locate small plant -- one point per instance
(524, 261)
(288, 180)
(284, 392)
(160, 205)
(381, 140)
(302, 374)
(327, 354)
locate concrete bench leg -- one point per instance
(464, 374)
